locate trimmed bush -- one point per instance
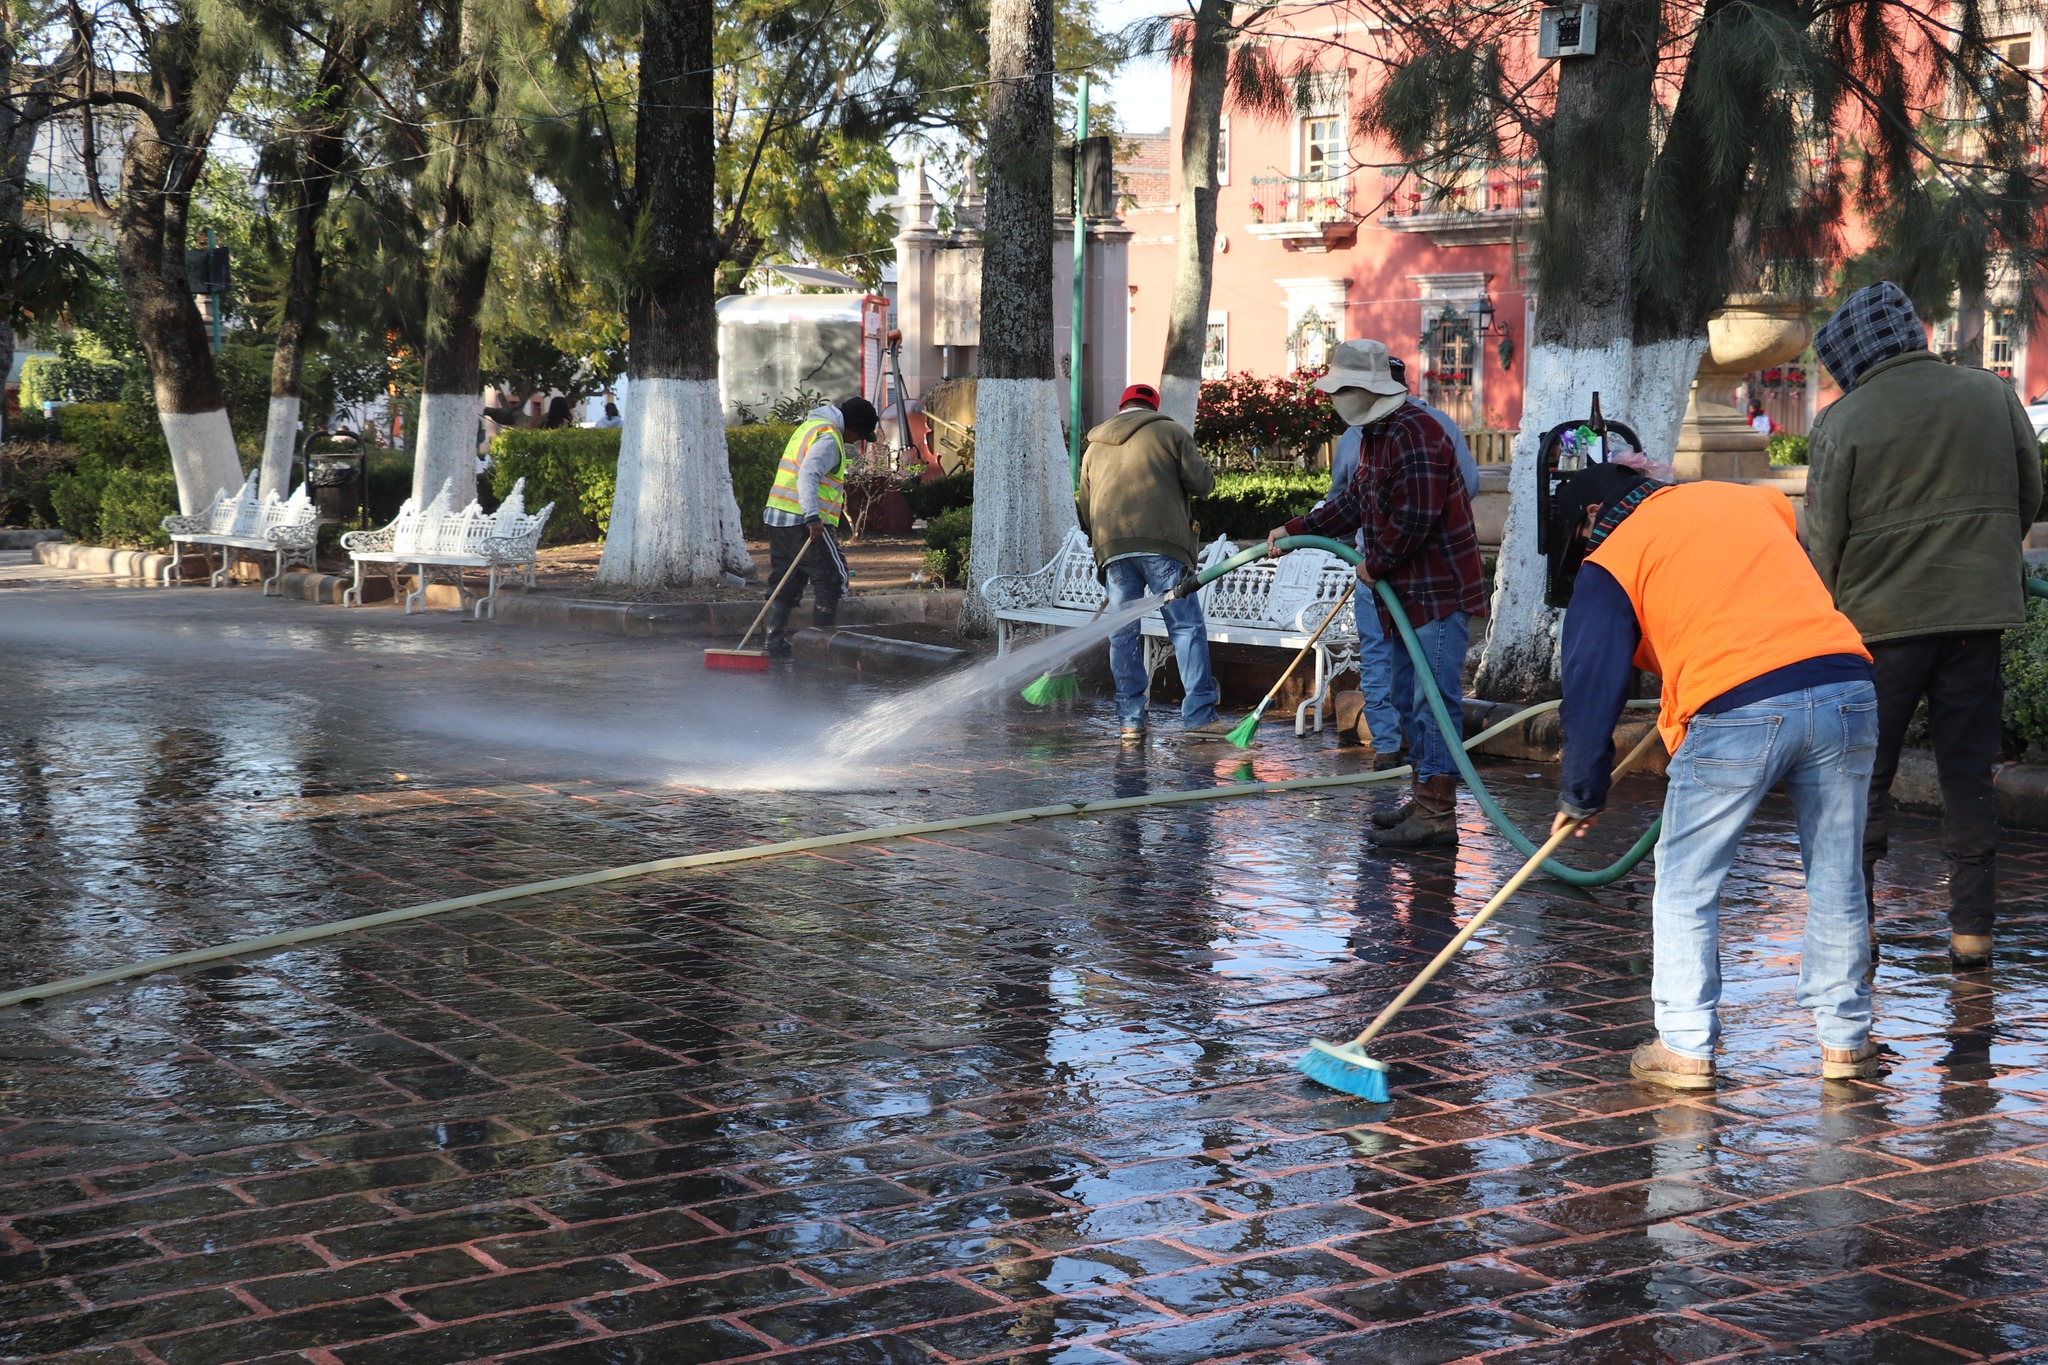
(948, 539)
(577, 469)
(942, 494)
(1787, 449)
(1246, 506)
(754, 452)
(119, 435)
(2025, 666)
(27, 470)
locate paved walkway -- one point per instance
(1017, 1095)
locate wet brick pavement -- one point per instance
(1017, 1095)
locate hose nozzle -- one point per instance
(1188, 586)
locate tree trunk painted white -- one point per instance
(1023, 494)
(1644, 387)
(446, 448)
(203, 458)
(674, 521)
(280, 443)
(1179, 397)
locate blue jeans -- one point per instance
(1376, 651)
(1820, 742)
(1129, 580)
(1443, 645)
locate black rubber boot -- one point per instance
(824, 615)
(778, 644)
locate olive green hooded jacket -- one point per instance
(1139, 471)
(1922, 483)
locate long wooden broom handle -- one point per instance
(1472, 926)
(787, 574)
(1303, 653)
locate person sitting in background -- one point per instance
(558, 414)
(611, 415)
(1137, 475)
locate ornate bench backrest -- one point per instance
(514, 533)
(233, 512)
(413, 532)
(1074, 584)
(296, 510)
(1269, 594)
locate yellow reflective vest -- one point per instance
(831, 485)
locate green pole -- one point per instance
(1080, 299)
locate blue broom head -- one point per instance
(1345, 1067)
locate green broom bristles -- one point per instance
(1052, 687)
(1246, 728)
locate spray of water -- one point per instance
(889, 724)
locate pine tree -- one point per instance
(1691, 157)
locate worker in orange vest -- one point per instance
(1705, 585)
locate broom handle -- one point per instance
(1303, 654)
(762, 614)
(1472, 926)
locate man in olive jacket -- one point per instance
(1140, 469)
(1924, 478)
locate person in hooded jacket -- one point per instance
(1923, 481)
(805, 505)
(1137, 475)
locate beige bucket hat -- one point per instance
(1363, 365)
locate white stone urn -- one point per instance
(1752, 332)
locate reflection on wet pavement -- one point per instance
(1017, 1094)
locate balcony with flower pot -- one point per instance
(1476, 206)
(1302, 213)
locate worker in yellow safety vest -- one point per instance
(807, 501)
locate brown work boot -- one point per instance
(1388, 814)
(1846, 1064)
(1659, 1065)
(1345, 709)
(1431, 823)
(1390, 759)
(1969, 952)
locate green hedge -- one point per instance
(1246, 506)
(949, 539)
(577, 469)
(929, 499)
(119, 487)
(1788, 449)
(2026, 682)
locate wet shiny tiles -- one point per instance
(1015, 1094)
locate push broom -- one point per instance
(1344, 1066)
(746, 660)
(1249, 726)
(1059, 684)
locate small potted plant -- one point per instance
(1258, 212)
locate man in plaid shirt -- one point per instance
(1417, 513)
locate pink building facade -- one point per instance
(1317, 244)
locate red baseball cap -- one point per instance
(1140, 393)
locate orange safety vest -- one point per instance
(1723, 592)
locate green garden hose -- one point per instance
(1600, 877)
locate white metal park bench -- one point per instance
(288, 532)
(439, 539)
(1273, 604)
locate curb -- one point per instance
(702, 619)
(148, 564)
(1541, 738)
(881, 655)
(15, 538)
(2021, 788)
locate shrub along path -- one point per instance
(1016, 1095)
(879, 564)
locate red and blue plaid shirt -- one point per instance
(1417, 515)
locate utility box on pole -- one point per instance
(1568, 31)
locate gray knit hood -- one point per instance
(1877, 323)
